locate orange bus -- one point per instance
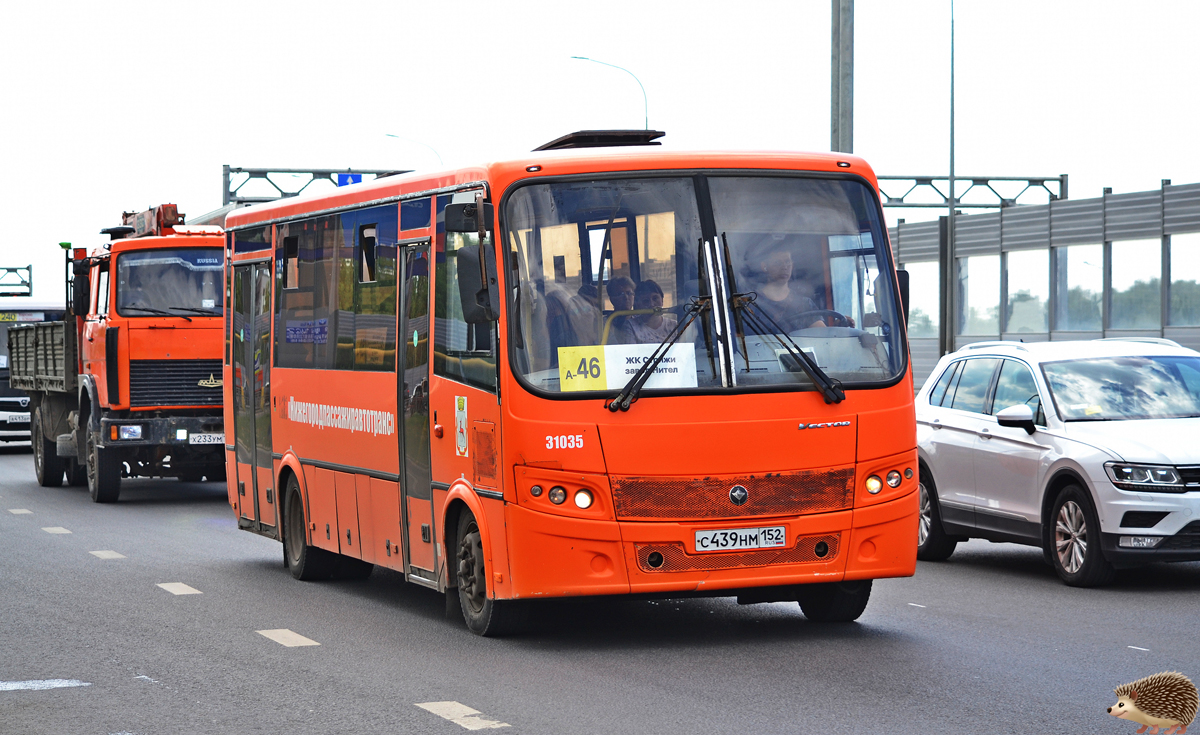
(681, 374)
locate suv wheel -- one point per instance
(1074, 540)
(932, 542)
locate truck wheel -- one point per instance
(46, 463)
(76, 473)
(103, 472)
(834, 602)
(304, 561)
(484, 615)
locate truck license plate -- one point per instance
(206, 439)
(741, 538)
(18, 418)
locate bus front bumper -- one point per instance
(555, 556)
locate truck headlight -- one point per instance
(129, 432)
(1147, 477)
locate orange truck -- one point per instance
(129, 384)
(585, 371)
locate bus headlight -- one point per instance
(874, 484)
(583, 499)
(893, 478)
(557, 494)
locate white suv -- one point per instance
(1089, 450)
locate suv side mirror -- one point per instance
(1017, 417)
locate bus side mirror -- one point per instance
(902, 277)
(480, 300)
(81, 293)
(464, 217)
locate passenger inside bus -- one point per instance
(654, 327)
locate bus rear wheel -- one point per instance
(834, 602)
(484, 615)
(46, 463)
(305, 562)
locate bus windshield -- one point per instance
(604, 271)
(174, 282)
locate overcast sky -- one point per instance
(120, 106)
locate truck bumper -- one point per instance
(194, 432)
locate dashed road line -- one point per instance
(20, 511)
(915, 604)
(285, 637)
(462, 715)
(40, 684)
(55, 529)
(1136, 648)
(106, 554)
(179, 588)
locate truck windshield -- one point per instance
(603, 271)
(176, 282)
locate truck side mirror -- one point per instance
(81, 294)
(480, 299)
(902, 277)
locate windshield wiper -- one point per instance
(830, 388)
(196, 310)
(160, 312)
(629, 393)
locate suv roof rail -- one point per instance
(1148, 340)
(994, 343)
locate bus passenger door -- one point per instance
(416, 496)
(252, 392)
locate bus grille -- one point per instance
(676, 559)
(673, 498)
(174, 383)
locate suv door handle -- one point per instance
(984, 434)
(936, 423)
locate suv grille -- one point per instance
(174, 383)
(783, 494)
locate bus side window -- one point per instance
(461, 351)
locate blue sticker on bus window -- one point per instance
(414, 338)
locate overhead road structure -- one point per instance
(936, 189)
(230, 191)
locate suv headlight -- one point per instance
(1147, 477)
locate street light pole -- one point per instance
(645, 103)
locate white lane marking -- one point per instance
(462, 715)
(20, 511)
(179, 588)
(55, 529)
(40, 684)
(107, 554)
(285, 637)
(146, 678)
(915, 604)
(1138, 649)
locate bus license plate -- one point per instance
(206, 439)
(18, 418)
(741, 538)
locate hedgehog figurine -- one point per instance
(1164, 701)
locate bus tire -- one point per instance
(103, 472)
(47, 465)
(305, 562)
(484, 615)
(834, 602)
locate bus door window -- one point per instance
(261, 397)
(416, 491)
(243, 405)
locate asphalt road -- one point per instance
(988, 642)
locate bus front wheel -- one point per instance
(484, 615)
(304, 561)
(835, 602)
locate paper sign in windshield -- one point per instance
(610, 367)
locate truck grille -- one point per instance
(174, 383)
(782, 494)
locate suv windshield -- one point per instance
(1125, 388)
(604, 270)
(175, 282)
